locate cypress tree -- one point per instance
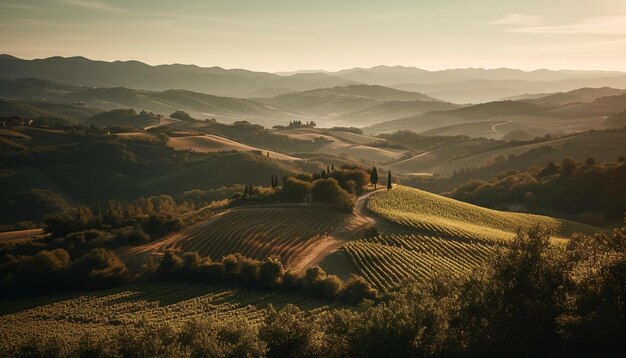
(332, 167)
(324, 174)
(374, 177)
(389, 180)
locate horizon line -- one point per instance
(310, 71)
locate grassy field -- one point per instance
(431, 213)
(211, 143)
(388, 260)
(103, 312)
(292, 232)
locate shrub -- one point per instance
(99, 268)
(286, 333)
(295, 190)
(357, 289)
(329, 191)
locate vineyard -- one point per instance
(386, 261)
(443, 216)
(255, 232)
(106, 311)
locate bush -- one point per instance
(159, 225)
(99, 268)
(42, 272)
(295, 190)
(329, 191)
(357, 289)
(286, 333)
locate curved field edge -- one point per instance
(440, 215)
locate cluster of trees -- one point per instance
(75, 253)
(266, 274)
(532, 299)
(588, 191)
(53, 271)
(156, 215)
(338, 187)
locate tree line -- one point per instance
(587, 191)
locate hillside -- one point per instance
(199, 105)
(586, 94)
(603, 145)
(391, 110)
(211, 143)
(562, 114)
(33, 89)
(349, 101)
(345, 144)
(31, 109)
(438, 215)
(89, 167)
(293, 233)
(80, 71)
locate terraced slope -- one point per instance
(439, 215)
(386, 261)
(292, 232)
(103, 312)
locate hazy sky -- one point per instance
(276, 35)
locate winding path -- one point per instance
(352, 228)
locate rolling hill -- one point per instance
(225, 109)
(562, 113)
(438, 215)
(356, 105)
(32, 109)
(209, 143)
(80, 71)
(603, 145)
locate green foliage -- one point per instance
(598, 187)
(287, 332)
(329, 191)
(269, 274)
(295, 190)
(183, 116)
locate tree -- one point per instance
(389, 180)
(295, 190)
(374, 177)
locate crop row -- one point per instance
(386, 261)
(431, 213)
(259, 233)
(97, 314)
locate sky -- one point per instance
(286, 35)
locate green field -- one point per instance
(72, 316)
(438, 215)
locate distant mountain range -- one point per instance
(470, 85)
